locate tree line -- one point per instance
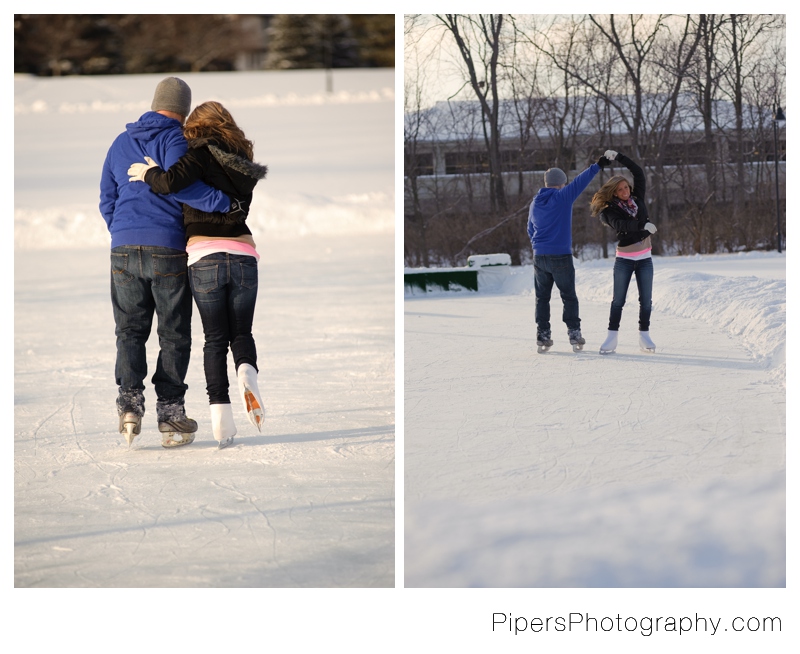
(103, 44)
(692, 98)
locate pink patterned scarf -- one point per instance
(629, 207)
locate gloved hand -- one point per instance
(610, 155)
(650, 227)
(238, 210)
(137, 171)
(603, 162)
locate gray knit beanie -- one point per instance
(173, 94)
(554, 177)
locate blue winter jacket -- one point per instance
(550, 215)
(134, 214)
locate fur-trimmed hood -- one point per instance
(231, 160)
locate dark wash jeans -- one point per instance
(623, 269)
(147, 280)
(225, 287)
(549, 269)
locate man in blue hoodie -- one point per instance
(550, 232)
(148, 264)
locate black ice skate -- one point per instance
(576, 340)
(543, 342)
(176, 429)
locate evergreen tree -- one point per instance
(339, 46)
(311, 41)
(375, 36)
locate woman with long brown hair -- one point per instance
(622, 207)
(223, 272)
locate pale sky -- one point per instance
(433, 64)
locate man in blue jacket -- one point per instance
(550, 232)
(148, 264)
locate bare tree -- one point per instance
(66, 44)
(631, 40)
(689, 96)
(478, 39)
(413, 128)
(673, 59)
(154, 43)
(743, 34)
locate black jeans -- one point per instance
(147, 280)
(559, 269)
(225, 287)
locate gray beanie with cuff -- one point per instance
(554, 177)
(172, 94)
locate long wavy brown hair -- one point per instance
(603, 197)
(212, 120)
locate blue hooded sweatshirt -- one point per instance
(550, 215)
(134, 214)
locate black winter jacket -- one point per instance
(629, 230)
(211, 162)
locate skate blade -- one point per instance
(225, 442)
(543, 349)
(607, 351)
(176, 439)
(129, 426)
(649, 350)
(254, 412)
(129, 433)
(577, 347)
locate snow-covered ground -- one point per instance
(581, 470)
(310, 501)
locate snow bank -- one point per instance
(346, 214)
(750, 309)
(741, 295)
(80, 226)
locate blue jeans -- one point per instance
(623, 269)
(225, 287)
(148, 280)
(549, 269)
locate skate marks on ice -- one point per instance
(107, 516)
(470, 392)
(384, 434)
(307, 503)
(488, 421)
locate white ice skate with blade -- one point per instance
(645, 343)
(248, 389)
(222, 425)
(610, 344)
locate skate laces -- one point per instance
(253, 407)
(251, 401)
